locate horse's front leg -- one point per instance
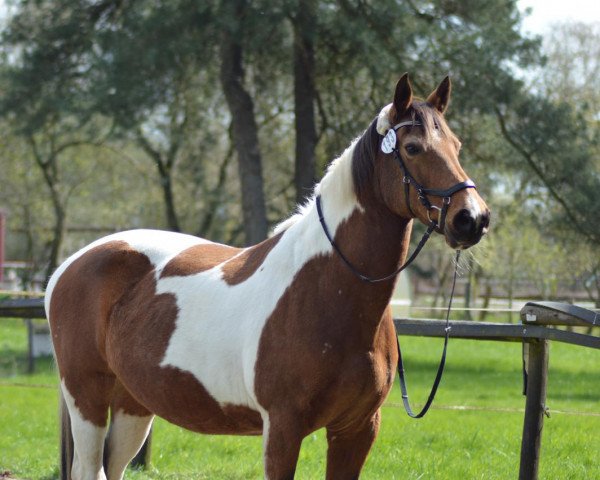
(349, 447)
(282, 437)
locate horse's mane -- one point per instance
(363, 157)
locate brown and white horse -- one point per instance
(278, 339)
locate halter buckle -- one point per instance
(405, 179)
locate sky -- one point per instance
(546, 12)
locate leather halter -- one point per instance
(423, 194)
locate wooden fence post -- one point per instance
(535, 409)
(30, 356)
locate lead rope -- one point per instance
(440, 370)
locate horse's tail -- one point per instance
(66, 441)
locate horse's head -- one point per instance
(417, 169)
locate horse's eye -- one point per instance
(412, 148)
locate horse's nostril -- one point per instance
(485, 219)
(463, 222)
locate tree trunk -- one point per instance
(58, 232)
(164, 165)
(28, 274)
(170, 212)
(304, 25)
(510, 292)
(49, 167)
(486, 301)
(245, 130)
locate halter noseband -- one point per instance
(389, 146)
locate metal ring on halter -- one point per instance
(440, 223)
(433, 207)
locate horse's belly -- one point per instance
(185, 402)
(179, 397)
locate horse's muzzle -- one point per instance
(466, 229)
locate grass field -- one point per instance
(479, 440)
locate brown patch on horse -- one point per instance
(123, 401)
(242, 267)
(81, 301)
(246, 419)
(140, 328)
(197, 259)
(329, 347)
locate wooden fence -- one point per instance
(535, 331)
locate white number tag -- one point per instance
(388, 143)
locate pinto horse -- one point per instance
(278, 339)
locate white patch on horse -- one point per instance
(160, 246)
(88, 440)
(217, 334)
(337, 192)
(125, 438)
(474, 207)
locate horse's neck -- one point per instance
(375, 241)
(372, 238)
(375, 244)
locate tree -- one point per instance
(244, 128)
(97, 68)
(304, 26)
(189, 82)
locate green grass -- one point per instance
(466, 444)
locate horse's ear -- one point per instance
(402, 98)
(440, 97)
